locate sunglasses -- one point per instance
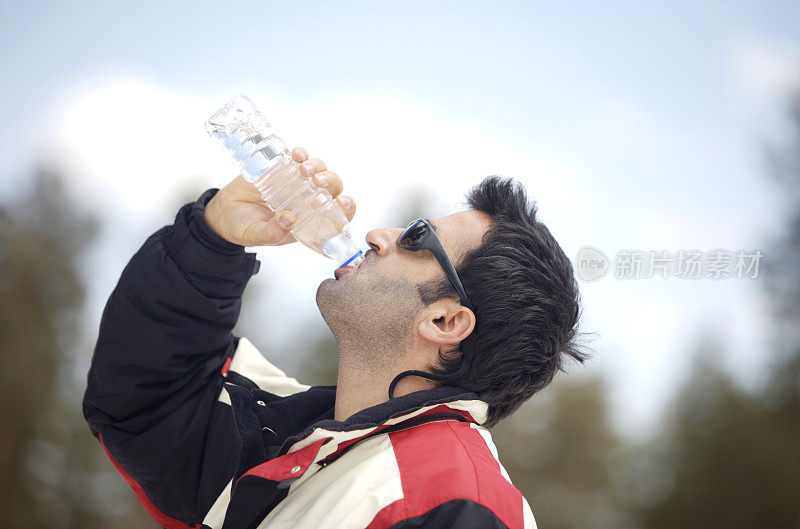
(421, 235)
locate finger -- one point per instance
(288, 238)
(311, 166)
(348, 205)
(330, 181)
(273, 232)
(299, 155)
(285, 220)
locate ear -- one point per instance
(446, 323)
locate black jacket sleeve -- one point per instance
(464, 514)
(154, 381)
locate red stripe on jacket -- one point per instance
(162, 519)
(444, 461)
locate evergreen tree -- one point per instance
(52, 471)
(558, 449)
(735, 456)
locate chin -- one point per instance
(333, 305)
(330, 296)
(324, 291)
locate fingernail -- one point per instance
(309, 169)
(284, 222)
(346, 202)
(322, 179)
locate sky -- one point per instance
(634, 125)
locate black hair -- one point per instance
(525, 299)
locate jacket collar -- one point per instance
(322, 440)
(436, 401)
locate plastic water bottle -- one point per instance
(265, 162)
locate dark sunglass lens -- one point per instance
(414, 234)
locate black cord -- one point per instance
(467, 348)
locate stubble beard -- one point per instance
(372, 324)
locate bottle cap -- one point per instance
(354, 260)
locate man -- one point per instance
(445, 328)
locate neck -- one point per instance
(364, 381)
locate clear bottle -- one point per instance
(265, 162)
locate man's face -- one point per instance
(380, 300)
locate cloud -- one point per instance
(764, 68)
(134, 145)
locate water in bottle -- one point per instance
(265, 162)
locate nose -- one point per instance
(382, 240)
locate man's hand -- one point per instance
(238, 215)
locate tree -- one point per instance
(782, 285)
(733, 462)
(558, 449)
(733, 455)
(52, 473)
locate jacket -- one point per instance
(209, 434)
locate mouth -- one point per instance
(344, 270)
(350, 269)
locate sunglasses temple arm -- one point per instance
(450, 271)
